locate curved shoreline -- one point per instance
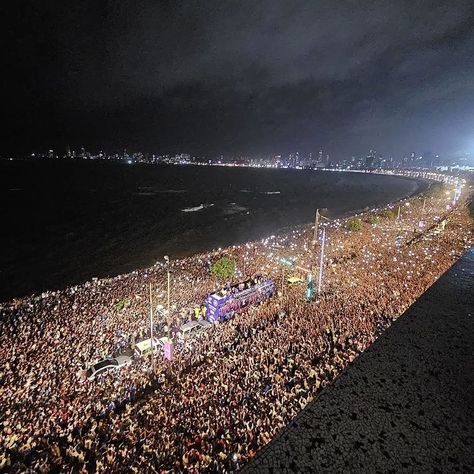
(422, 185)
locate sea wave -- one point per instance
(196, 208)
(271, 192)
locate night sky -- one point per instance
(240, 77)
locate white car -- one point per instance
(106, 365)
(195, 327)
(144, 347)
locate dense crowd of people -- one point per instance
(228, 391)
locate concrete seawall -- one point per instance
(406, 404)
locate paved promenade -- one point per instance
(407, 404)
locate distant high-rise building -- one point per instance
(294, 160)
(370, 159)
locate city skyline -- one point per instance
(321, 159)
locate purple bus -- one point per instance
(223, 304)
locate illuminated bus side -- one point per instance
(221, 307)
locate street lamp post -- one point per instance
(282, 281)
(321, 263)
(168, 322)
(151, 334)
(317, 219)
(316, 227)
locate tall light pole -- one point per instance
(151, 334)
(167, 259)
(321, 262)
(316, 228)
(282, 281)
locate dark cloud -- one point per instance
(247, 76)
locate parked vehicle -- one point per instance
(106, 365)
(294, 280)
(144, 347)
(189, 328)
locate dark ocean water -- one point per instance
(66, 222)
